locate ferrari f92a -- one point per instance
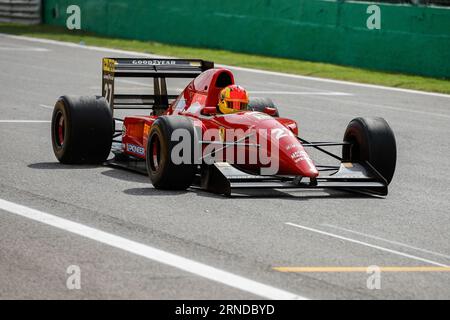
(211, 136)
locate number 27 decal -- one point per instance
(108, 92)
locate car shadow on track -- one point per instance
(250, 194)
(296, 195)
(57, 165)
(243, 194)
(127, 176)
(150, 191)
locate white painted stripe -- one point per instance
(25, 121)
(360, 103)
(349, 83)
(151, 253)
(76, 45)
(24, 49)
(137, 83)
(303, 93)
(399, 253)
(386, 240)
(46, 106)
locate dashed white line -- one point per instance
(386, 240)
(151, 253)
(399, 253)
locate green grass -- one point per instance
(315, 69)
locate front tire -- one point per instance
(164, 171)
(373, 141)
(82, 130)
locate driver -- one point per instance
(232, 99)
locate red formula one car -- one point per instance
(211, 136)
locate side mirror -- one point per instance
(208, 111)
(270, 111)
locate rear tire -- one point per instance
(163, 172)
(82, 130)
(372, 140)
(259, 104)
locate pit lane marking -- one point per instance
(140, 249)
(399, 253)
(358, 269)
(386, 240)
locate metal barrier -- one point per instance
(20, 11)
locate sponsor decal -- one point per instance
(146, 130)
(299, 156)
(108, 77)
(291, 146)
(280, 133)
(194, 108)
(222, 134)
(154, 62)
(109, 65)
(347, 164)
(135, 149)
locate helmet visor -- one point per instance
(237, 105)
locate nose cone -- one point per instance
(293, 159)
(280, 150)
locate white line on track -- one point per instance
(24, 49)
(125, 52)
(303, 93)
(360, 103)
(294, 86)
(399, 253)
(25, 121)
(151, 253)
(46, 106)
(137, 83)
(386, 240)
(349, 83)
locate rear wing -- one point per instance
(158, 69)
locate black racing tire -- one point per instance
(163, 172)
(259, 104)
(372, 140)
(82, 130)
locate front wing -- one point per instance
(223, 178)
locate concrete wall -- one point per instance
(412, 39)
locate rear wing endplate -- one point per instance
(158, 69)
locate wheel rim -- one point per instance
(60, 130)
(155, 156)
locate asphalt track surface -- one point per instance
(207, 246)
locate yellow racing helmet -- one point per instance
(232, 99)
